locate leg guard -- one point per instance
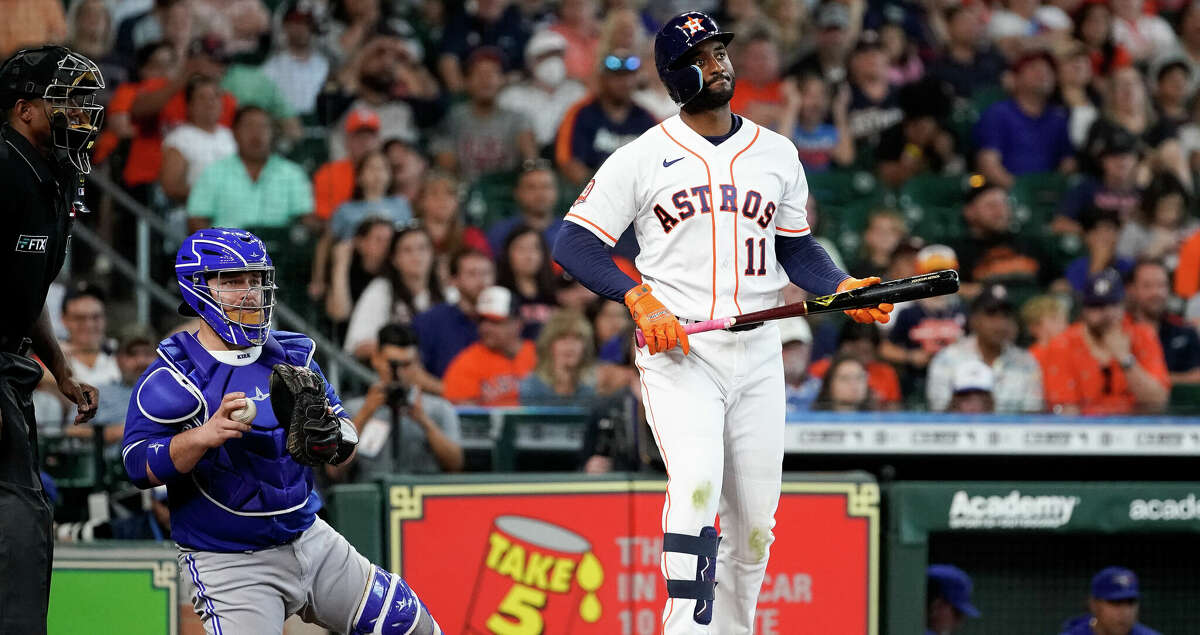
(702, 589)
(389, 607)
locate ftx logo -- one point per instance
(31, 244)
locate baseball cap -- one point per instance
(1032, 56)
(954, 585)
(362, 119)
(972, 376)
(795, 329)
(868, 41)
(543, 42)
(1115, 141)
(833, 15)
(1115, 583)
(1103, 289)
(935, 258)
(496, 303)
(992, 299)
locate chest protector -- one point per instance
(253, 475)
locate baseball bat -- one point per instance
(926, 285)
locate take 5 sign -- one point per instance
(582, 557)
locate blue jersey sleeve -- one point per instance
(589, 260)
(162, 405)
(808, 265)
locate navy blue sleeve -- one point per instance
(808, 264)
(589, 260)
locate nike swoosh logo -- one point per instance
(667, 164)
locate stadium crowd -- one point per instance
(409, 163)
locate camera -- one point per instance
(397, 394)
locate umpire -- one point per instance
(51, 119)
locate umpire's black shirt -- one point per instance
(35, 226)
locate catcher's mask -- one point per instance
(68, 83)
(227, 278)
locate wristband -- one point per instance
(158, 457)
(1127, 362)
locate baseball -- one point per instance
(245, 415)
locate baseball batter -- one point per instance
(717, 205)
(238, 468)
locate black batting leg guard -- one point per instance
(703, 588)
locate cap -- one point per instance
(935, 258)
(993, 298)
(954, 585)
(972, 376)
(1091, 216)
(496, 303)
(1115, 583)
(1032, 56)
(301, 12)
(1104, 289)
(362, 119)
(543, 42)
(868, 41)
(795, 329)
(484, 53)
(833, 15)
(210, 46)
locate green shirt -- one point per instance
(252, 87)
(225, 194)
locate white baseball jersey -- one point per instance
(705, 216)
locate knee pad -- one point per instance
(703, 588)
(389, 607)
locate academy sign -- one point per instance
(1013, 511)
(1187, 508)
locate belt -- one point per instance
(15, 345)
(736, 329)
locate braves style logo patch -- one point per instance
(31, 244)
(584, 194)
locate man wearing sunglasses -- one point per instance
(718, 207)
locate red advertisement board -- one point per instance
(559, 558)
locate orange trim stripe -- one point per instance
(791, 231)
(598, 228)
(667, 466)
(712, 311)
(562, 143)
(737, 275)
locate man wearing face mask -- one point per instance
(546, 96)
(48, 95)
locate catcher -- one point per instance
(232, 418)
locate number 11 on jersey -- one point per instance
(762, 257)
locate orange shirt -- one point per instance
(484, 377)
(333, 184)
(748, 93)
(1187, 273)
(881, 378)
(1071, 376)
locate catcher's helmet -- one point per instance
(674, 41)
(242, 316)
(69, 83)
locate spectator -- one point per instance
(1100, 231)
(256, 188)
(612, 329)
(596, 126)
(928, 325)
(251, 87)
(918, 143)
(1015, 378)
(1161, 224)
(1170, 95)
(845, 387)
(241, 24)
(1144, 35)
(1044, 317)
(90, 31)
(947, 599)
(617, 436)
(192, 146)
(904, 64)
(355, 263)
(972, 389)
(873, 103)
(536, 195)
(1126, 108)
(578, 27)
(1094, 27)
(493, 24)
(1116, 189)
(1075, 89)
(524, 268)
(299, 70)
(1188, 44)
(350, 28)
(408, 168)
(800, 387)
(565, 371)
(836, 32)
(861, 342)
(333, 182)
(448, 328)
(383, 70)
(760, 95)
(84, 315)
(1014, 27)
(479, 137)
(372, 182)
(489, 372)
(1025, 133)
(1105, 364)
(1148, 293)
(789, 20)
(820, 143)
(29, 24)
(885, 229)
(968, 62)
(438, 210)
(1112, 606)
(548, 94)
(408, 286)
(428, 435)
(135, 353)
(165, 18)
(989, 250)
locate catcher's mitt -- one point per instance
(298, 399)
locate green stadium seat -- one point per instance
(490, 198)
(1035, 199)
(1185, 399)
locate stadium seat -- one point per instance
(490, 198)
(1185, 399)
(1035, 199)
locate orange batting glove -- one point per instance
(660, 327)
(878, 313)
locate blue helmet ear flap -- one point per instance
(684, 84)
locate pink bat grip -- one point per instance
(695, 327)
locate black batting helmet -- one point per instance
(674, 41)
